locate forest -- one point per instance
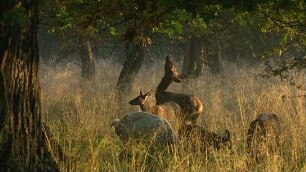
(152, 85)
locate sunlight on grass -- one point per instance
(80, 113)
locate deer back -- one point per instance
(190, 105)
(263, 134)
(170, 111)
(144, 126)
(263, 127)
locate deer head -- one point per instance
(226, 140)
(190, 105)
(140, 100)
(171, 72)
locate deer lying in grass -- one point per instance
(263, 135)
(147, 128)
(198, 137)
(191, 106)
(169, 110)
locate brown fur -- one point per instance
(199, 137)
(191, 105)
(169, 110)
(263, 135)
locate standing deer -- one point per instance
(263, 135)
(169, 110)
(191, 106)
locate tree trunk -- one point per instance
(219, 61)
(132, 64)
(200, 59)
(193, 59)
(2, 103)
(213, 56)
(22, 146)
(88, 66)
(186, 60)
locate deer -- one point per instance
(263, 135)
(191, 106)
(154, 131)
(197, 135)
(169, 110)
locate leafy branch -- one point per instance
(282, 71)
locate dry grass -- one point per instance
(79, 114)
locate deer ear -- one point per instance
(177, 79)
(182, 76)
(227, 135)
(168, 64)
(148, 94)
(168, 58)
(140, 92)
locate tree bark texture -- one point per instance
(88, 66)
(213, 56)
(22, 146)
(132, 64)
(193, 59)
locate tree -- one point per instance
(286, 21)
(140, 18)
(193, 58)
(87, 61)
(202, 31)
(22, 143)
(215, 22)
(134, 20)
(72, 27)
(266, 28)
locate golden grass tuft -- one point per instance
(80, 112)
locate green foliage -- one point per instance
(173, 26)
(64, 20)
(265, 28)
(17, 16)
(113, 31)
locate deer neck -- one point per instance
(145, 107)
(164, 84)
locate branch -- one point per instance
(282, 24)
(117, 23)
(282, 72)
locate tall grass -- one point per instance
(80, 112)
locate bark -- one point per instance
(200, 60)
(193, 59)
(186, 61)
(88, 66)
(213, 56)
(219, 60)
(22, 146)
(2, 103)
(132, 64)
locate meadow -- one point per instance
(80, 112)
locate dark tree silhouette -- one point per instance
(22, 142)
